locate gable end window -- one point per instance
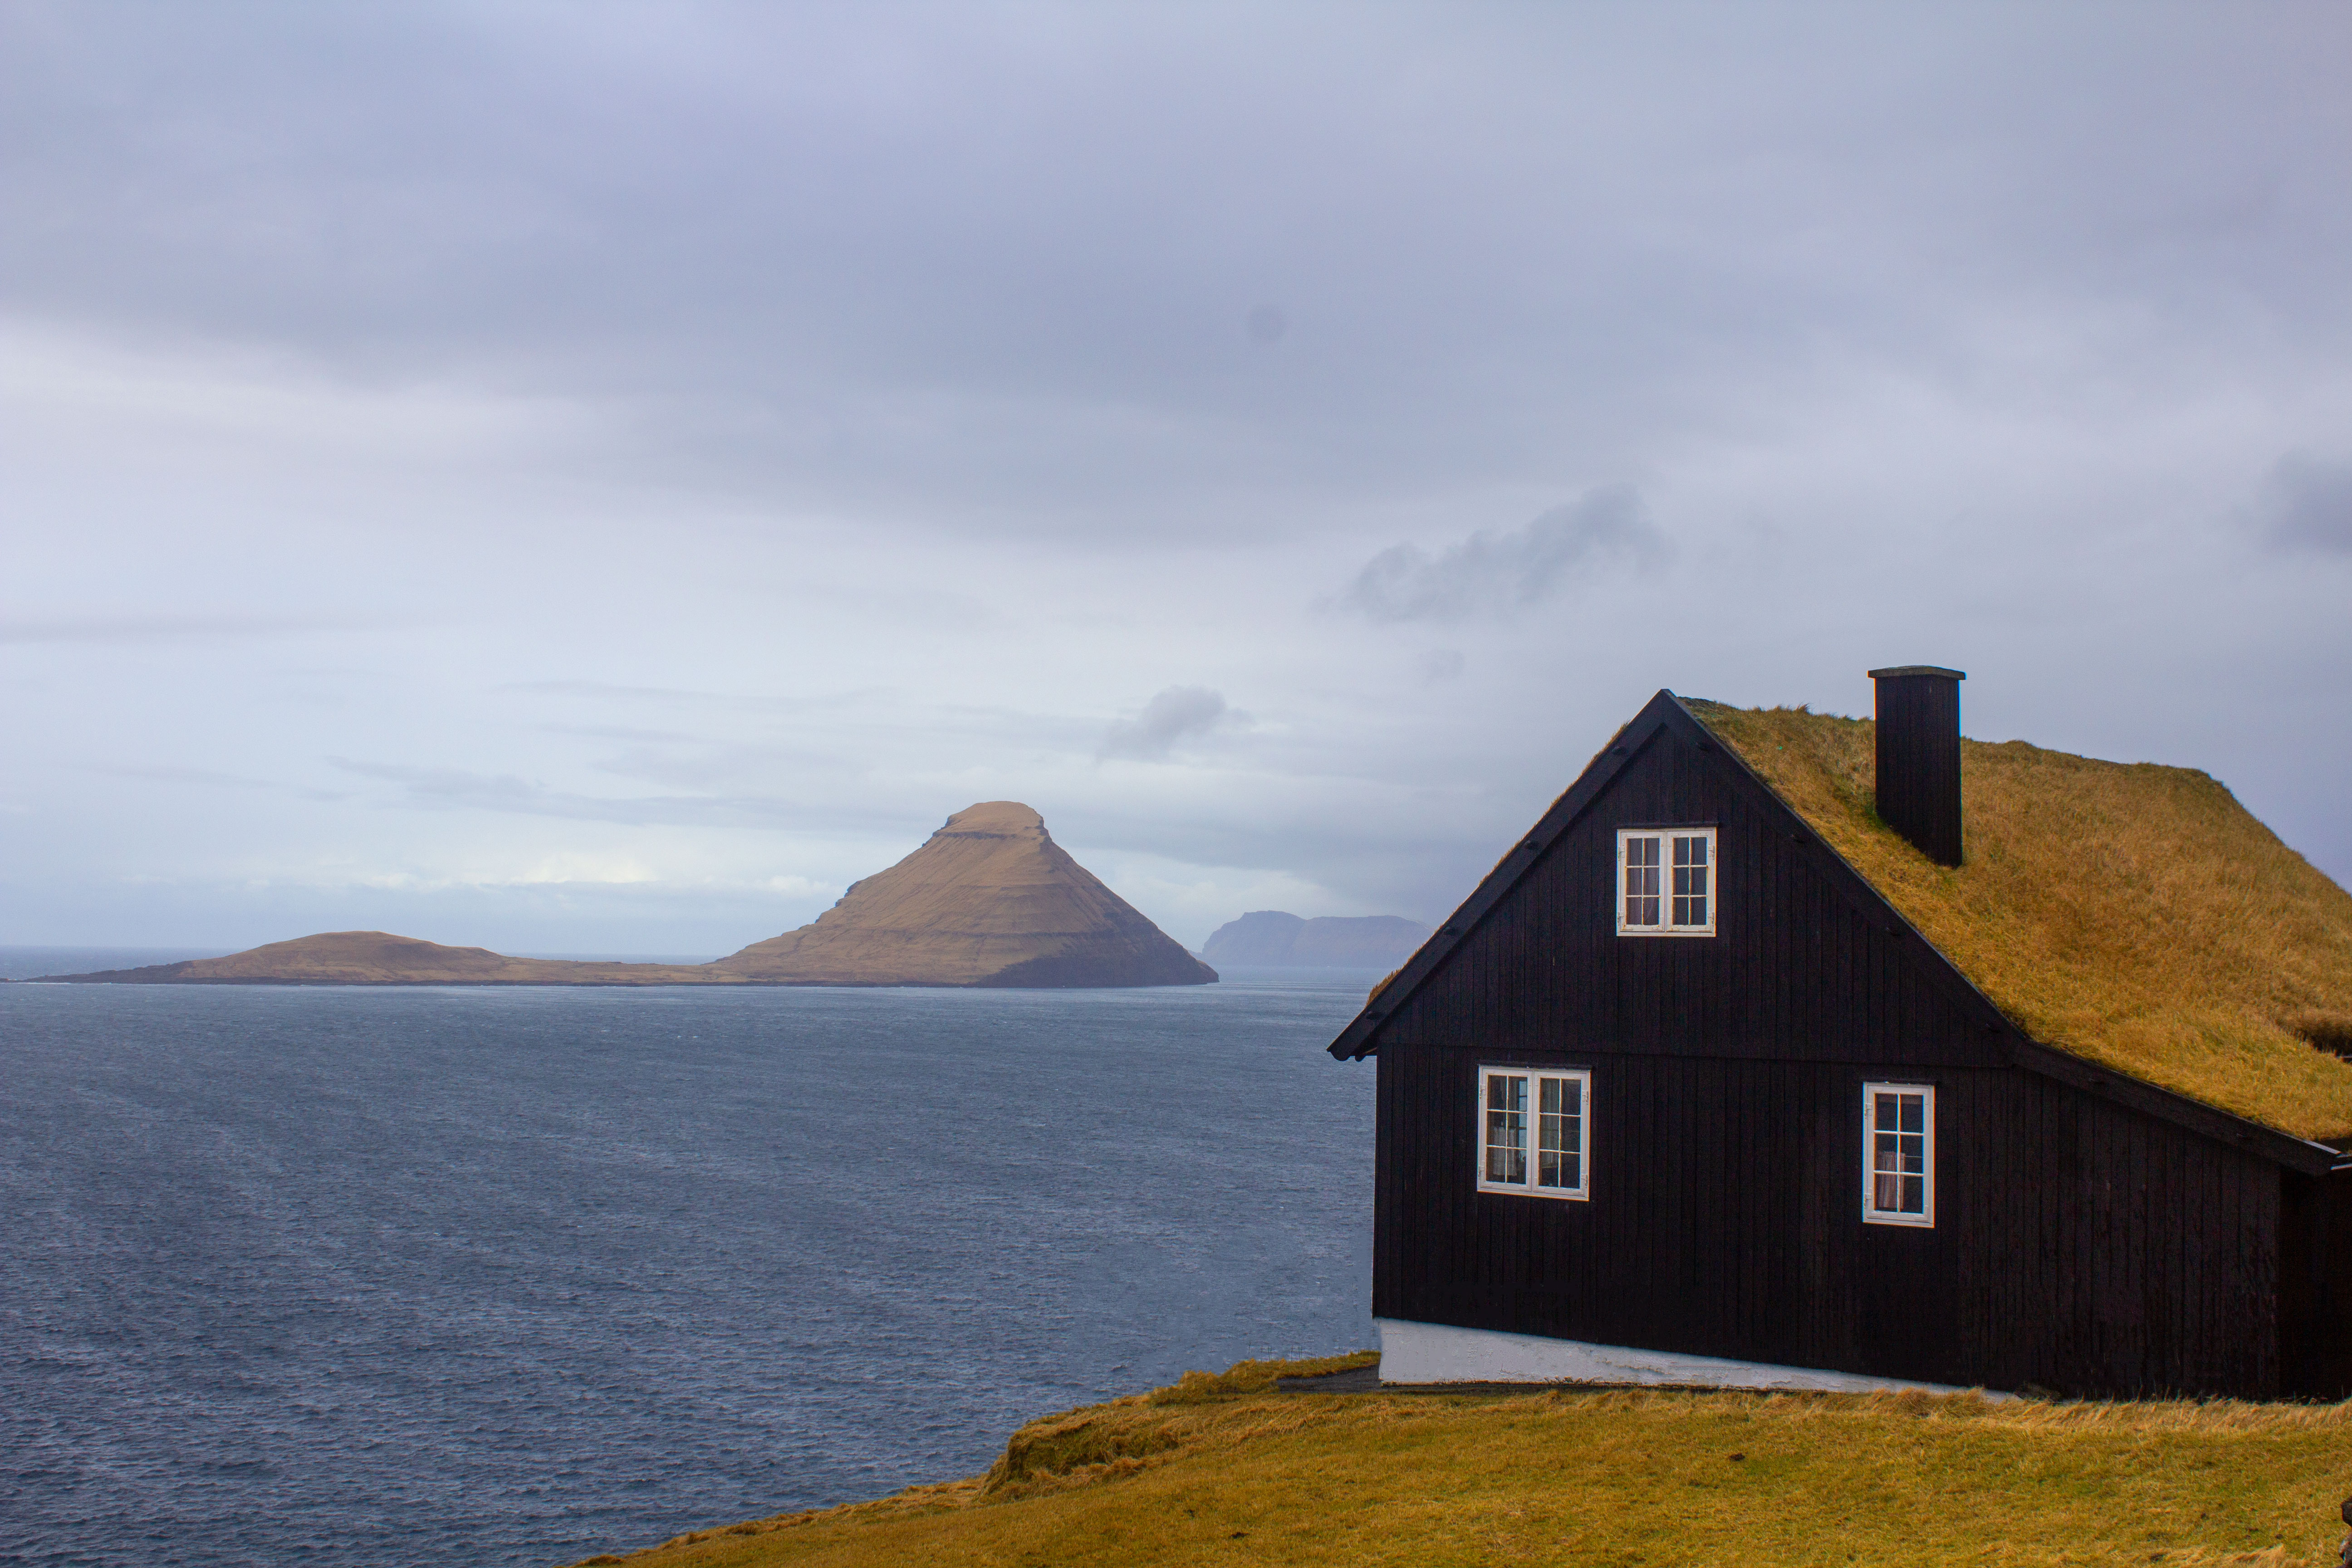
(1533, 1131)
(1898, 1153)
(1667, 883)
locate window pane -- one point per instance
(1915, 1195)
(1887, 1193)
(1914, 1112)
(1506, 1129)
(1643, 882)
(1690, 896)
(1883, 1110)
(1506, 1148)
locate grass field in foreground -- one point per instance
(1226, 1470)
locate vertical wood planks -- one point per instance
(2079, 1244)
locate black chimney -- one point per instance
(1919, 756)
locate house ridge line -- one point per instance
(1357, 1040)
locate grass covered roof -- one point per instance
(2131, 914)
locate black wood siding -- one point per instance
(2316, 1283)
(1799, 968)
(2079, 1244)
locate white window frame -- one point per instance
(1532, 1131)
(1871, 1213)
(1666, 837)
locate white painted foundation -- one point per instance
(1438, 1352)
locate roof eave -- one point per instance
(1358, 1039)
(2302, 1154)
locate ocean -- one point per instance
(356, 1275)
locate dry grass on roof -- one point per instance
(2133, 914)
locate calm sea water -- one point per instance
(376, 1277)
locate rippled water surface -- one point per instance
(513, 1276)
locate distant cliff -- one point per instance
(379, 958)
(1272, 939)
(990, 899)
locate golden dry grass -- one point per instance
(1221, 1471)
(2132, 914)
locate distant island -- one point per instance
(1272, 939)
(990, 899)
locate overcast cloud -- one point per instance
(1503, 574)
(674, 456)
(2309, 504)
(1179, 714)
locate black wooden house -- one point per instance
(1685, 1092)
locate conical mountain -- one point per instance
(988, 900)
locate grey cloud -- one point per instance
(880, 809)
(1490, 574)
(140, 630)
(1389, 851)
(1175, 715)
(2307, 504)
(603, 688)
(214, 778)
(779, 267)
(849, 700)
(730, 358)
(188, 775)
(450, 789)
(619, 732)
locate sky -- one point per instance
(602, 478)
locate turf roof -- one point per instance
(2131, 914)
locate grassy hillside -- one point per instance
(1227, 1471)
